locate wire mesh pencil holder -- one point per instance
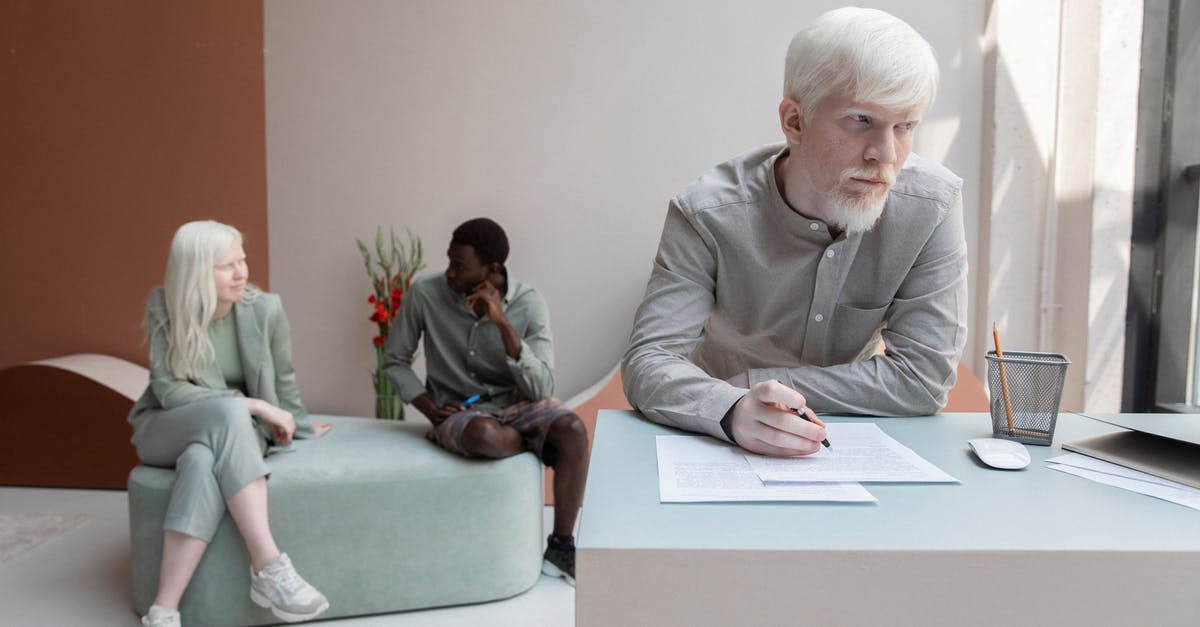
(1026, 389)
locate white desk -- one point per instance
(1035, 546)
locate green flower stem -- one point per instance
(388, 405)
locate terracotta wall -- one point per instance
(118, 122)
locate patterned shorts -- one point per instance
(532, 419)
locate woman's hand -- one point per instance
(281, 421)
(320, 428)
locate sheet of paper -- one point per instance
(1119, 476)
(1093, 464)
(694, 469)
(860, 452)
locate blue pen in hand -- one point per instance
(805, 416)
(471, 401)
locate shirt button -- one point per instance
(814, 226)
(470, 352)
(829, 254)
(818, 317)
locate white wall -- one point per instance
(1062, 88)
(570, 123)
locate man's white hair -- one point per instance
(868, 54)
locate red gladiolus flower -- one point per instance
(390, 274)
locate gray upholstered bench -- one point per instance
(374, 515)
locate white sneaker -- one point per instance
(279, 588)
(159, 616)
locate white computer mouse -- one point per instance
(998, 453)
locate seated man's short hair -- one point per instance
(486, 237)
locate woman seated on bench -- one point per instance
(222, 390)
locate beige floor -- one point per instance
(82, 577)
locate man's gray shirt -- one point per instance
(743, 283)
(464, 353)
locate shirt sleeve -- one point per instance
(924, 335)
(401, 347)
(533, 372)
(659, 377)
(286, 389)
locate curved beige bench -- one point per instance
(65, 421)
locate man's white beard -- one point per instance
(857, 213)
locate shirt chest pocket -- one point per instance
(855, 328)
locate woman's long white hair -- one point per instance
(868, 54)
(191, 293)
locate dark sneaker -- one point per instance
(559, 560)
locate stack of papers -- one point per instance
(863, 453)
(701, 469)
(1125, 478)
(697, 468)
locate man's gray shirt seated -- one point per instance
(743, 283)
(464, 353)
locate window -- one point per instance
(1162, 361)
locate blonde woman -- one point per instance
(222, 390)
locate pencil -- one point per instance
(805, 416)
(1003, 378)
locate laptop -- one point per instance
(1164, 445)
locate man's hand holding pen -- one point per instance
(437, 414)
(773, 419)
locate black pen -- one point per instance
(805, 416)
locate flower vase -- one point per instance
(389, 406)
